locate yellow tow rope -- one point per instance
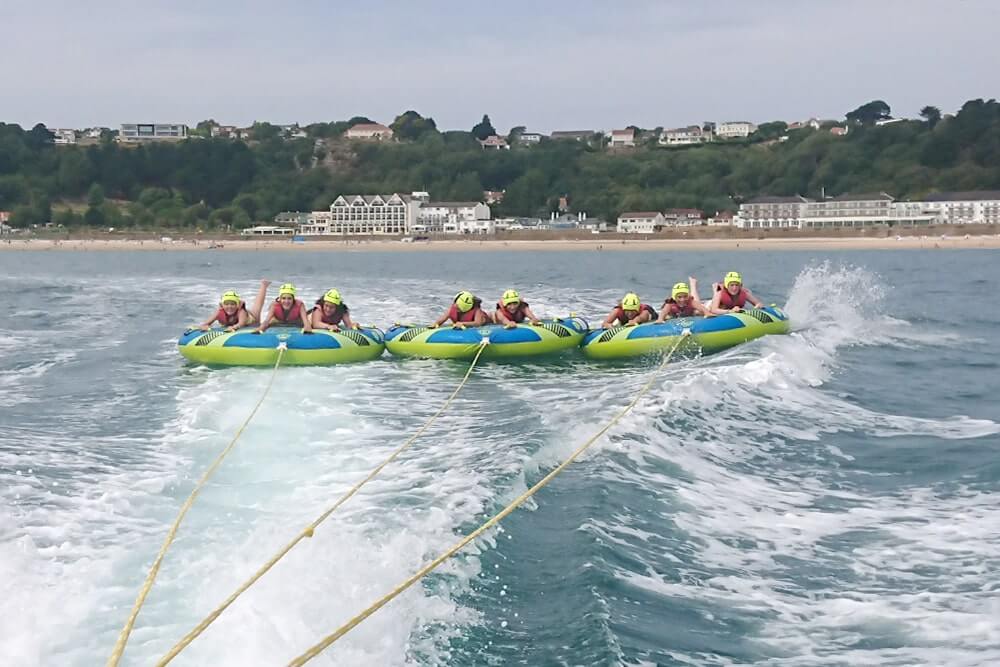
(116, 654)
(308, 530)
(422, 572)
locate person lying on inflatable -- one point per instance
(330, 312)
(683, 302)
(630, 312)
(731, 296)
(512, 310)
(466, 310)
(286, 310)
(233, 313)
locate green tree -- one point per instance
(249, 204)
(40, 136)
(95, 196)
(483, 129)
(868, 114)
(264, 131)
(410, 126)
(932, 115)
(769, 131)
(204, 128)
(67, 218)
(94, 216)
(515, 134)
(25, 215)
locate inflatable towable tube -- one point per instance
(708, 334)
(218, 347)
(524, 340)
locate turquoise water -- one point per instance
(830, 497)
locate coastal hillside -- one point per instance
(211, 182)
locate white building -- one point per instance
(623, 138)
(685, 136)
(268, 230)
(640, 222)
(722, 219)
(316, 223)
(529, 138)
(136, 132)
(379, 215)
(493, 142)
(862, 210)
(682, 217)
(369, 132)
(64, 137)
(843, 211)
(734, 129)
(455, 218)
(979, 207)
(771, 212)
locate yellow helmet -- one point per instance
(333, 296)
(510, 296)
(679, 288)
(733, 277)
(231, 297)
(464, 301)
(631, 301)
(287, 288)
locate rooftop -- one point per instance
(864, 196)
(971, 195)
(639, 214)
(797, 199)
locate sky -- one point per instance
(553, 65)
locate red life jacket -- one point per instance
(518, 315)
(223, 318)
(728, 301)
(336, 318)
(289, 316)
(676, 310)
(468, 316)
(623, 318)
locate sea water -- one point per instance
(829, 497)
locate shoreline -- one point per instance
(497, 245)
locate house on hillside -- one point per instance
(369, 132)
(495, 143)
(685, 136)
(575, 135)
(735, 129)
(623, 138)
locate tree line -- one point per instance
(211, 183)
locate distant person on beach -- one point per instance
(286, 310)
(629, 312)
(233, 313)
(330, 312)
(466, 309)
(512, 310)
(731, 296)
(683, 302)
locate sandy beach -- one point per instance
(495, 245)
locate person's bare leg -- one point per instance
(258, 304)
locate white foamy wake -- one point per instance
(834, 565)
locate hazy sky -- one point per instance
(545, 64)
